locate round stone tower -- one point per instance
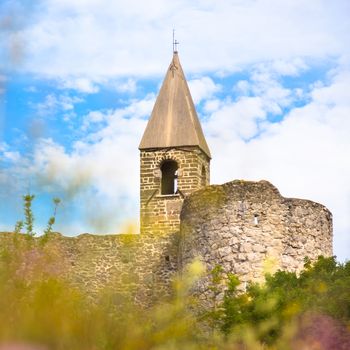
(249, 229)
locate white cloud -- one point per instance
(3, 146)
(67, 102)
(257, 98)
(266, 85)
(31, 89)
(55, 103)
(7, 155)
(126, 86)
(83, 85)
(93, 118)
(242, 87)
(305, 155)
(237, 119)
(335, 94)
(102, 169)
(49, 104)
(2, 83)
(11, 156)
(211, 106)
(203, 88)
(125, 123)
(94, 39)
(289, 68)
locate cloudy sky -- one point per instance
(78, 80)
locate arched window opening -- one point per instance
(169, 177)
(203, 177)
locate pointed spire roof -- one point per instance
(174, 121)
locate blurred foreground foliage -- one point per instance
(41, 309)
(288, 309)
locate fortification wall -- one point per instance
(239, 225)
(244, 226)
(139, 267)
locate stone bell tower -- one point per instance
(174, 155)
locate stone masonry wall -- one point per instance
(139, 267)
(239, 225)
(161, 213)
(243, 226)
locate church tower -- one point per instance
(174, 155)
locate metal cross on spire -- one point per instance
(175, 42)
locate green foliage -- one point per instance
(38, 305)
(28, 214)
(267, 309)
(29, 217)
(52, 219)
(18, 226)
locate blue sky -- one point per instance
(78, 80)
